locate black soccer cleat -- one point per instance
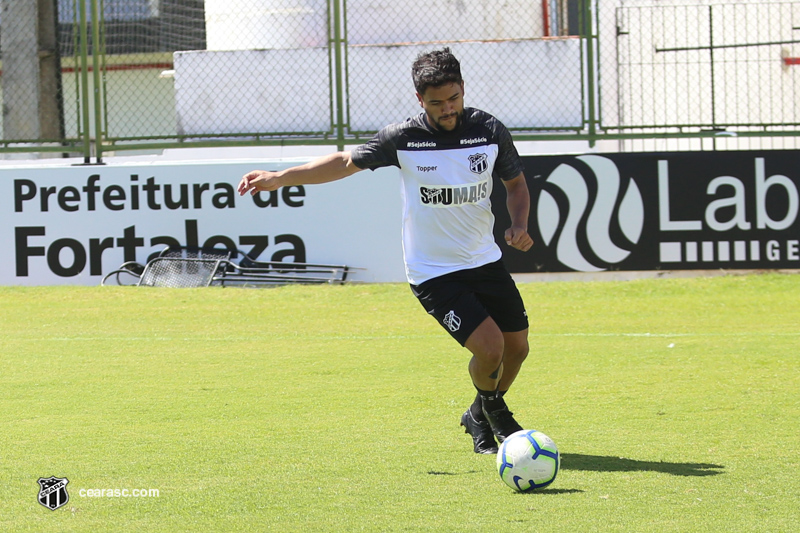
(481, 432)
(502, 423)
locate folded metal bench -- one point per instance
(184, 266)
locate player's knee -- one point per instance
(491, 356)
(488, 344)
(516, 350)
(519, 353)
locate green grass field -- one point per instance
(675, 404)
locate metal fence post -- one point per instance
(84, 83)
(338, 72)
(96, 74)
(588, 36)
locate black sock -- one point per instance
(477, 408)
(491, 400)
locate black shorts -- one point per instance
(461, 300)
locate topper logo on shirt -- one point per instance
(478, 163)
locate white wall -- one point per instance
(642, 86)
(275, 24)
(523, 83)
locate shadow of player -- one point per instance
(602, 463)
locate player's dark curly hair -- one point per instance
(435, 69)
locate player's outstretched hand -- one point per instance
(518, 238)
(256, 181)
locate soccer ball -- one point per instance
(528, 460)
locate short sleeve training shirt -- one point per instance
(447, 183)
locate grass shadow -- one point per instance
(551, 491)
(601, 463)
(442, 473)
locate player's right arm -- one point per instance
(321, 170)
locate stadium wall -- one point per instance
(591, 213)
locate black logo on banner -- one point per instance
(53, 492)
(562, 230)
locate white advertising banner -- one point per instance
(73, 224)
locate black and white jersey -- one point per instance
(447, 181)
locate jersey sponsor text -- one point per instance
(453, 196)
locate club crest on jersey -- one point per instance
(453, 196)
(478, 163)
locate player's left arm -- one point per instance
(518, 202)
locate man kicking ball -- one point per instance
(448, 157)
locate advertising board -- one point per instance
(660, 211)
(72, 224)
(589, 213)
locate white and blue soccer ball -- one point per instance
(528, 460)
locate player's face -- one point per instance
(443, 105)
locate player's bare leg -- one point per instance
(487, 345)
(515, 351)
(487, 368)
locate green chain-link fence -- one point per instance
(91, 76)
(39, 84)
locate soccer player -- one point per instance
(448, 156)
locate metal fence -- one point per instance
(93, 76)
(39, 78)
